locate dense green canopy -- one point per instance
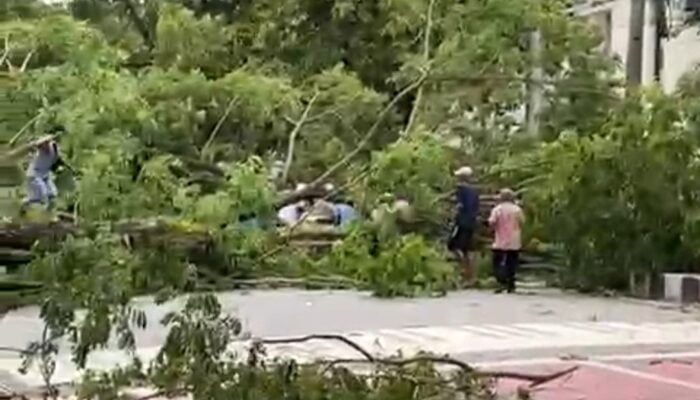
(175, 110)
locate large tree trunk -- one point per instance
(23, 236)
(17, 237)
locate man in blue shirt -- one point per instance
(465, 225)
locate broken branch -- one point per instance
(28, 57)
(6, 52)
(218, 125)
(534, 379)
(426, 58)
(293, 136)
(22, 130)
(371, 132)
(368, 356)
(164, 393)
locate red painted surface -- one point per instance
(660, 379)
(682, 369)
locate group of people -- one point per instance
(505, 220)
(317, 209)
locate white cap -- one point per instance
(301, 187)
(464, 171)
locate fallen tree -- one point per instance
(24, 235)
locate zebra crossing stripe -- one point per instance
(484, 338)
(463, 340)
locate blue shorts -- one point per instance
(40, 189)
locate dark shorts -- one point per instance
(461, 239)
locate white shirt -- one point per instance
(289, 215)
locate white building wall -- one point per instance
(681, 53)
(620, 10)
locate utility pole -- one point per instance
(536, 84)
(635, 44)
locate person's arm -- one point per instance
(474, 204)
(457, 198)
(21, 151)
(493, 218)
(27, 148)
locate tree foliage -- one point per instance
(196, 359)
(619, 200)
(176, 109)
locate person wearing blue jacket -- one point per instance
(465, 224)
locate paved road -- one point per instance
(479, 327)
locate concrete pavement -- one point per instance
(478, 327)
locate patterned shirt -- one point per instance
(506, 219)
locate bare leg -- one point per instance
(467, 269)
(37, 193)
(23, 208)
(50, 203)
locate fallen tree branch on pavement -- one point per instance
(534, 379)
(368, 356)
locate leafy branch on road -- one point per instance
(534, 379)
(195, 359)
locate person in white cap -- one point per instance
(465, 224)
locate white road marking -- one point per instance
(484, 338)
(463, 340)
(643, 375)
(605, 358)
